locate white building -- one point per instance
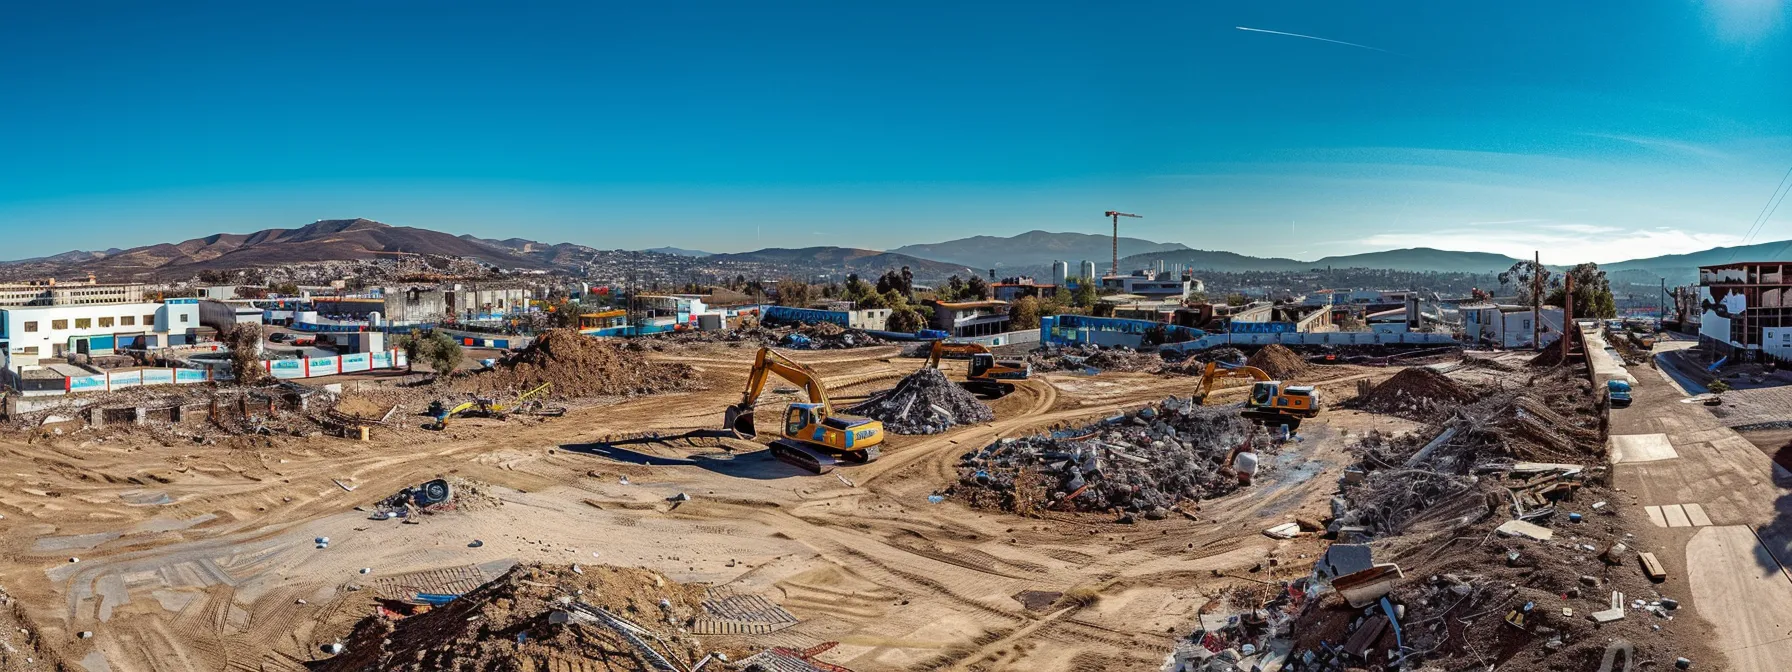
(1509, 326)
(52, 293)
(1149, 284)
(29, 333)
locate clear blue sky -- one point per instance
(1593, 130)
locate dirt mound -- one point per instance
(925, 402)
(1143, 462)
(506, 625)
(1417, 393)
(580, 366)
(1278, 361)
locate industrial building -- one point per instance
(454, 302)
(1152, 285)
(53, 293)
(1014, 289)
(1745, 309)
(33, 332)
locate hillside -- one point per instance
(679, 251)
(1033, 248)
(1422, 259)
(324, 240)
(845, 260)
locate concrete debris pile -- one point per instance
(925, 402)
(1139, 463)
(1243, 629)
(1417, 393)
(541, 617)
(823, 336)
(579, 366)
(1279, 362)
(1195, 363)
(1087, 357)
(1481, 555)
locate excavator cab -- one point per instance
(981, 363)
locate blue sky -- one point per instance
(1591, 130)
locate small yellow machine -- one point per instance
(1271, 402)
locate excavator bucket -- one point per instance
(739, 420)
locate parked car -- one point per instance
(279, 337)
(303, 341)
(1619, 392)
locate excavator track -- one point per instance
(804, 457)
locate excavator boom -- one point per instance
(740, 416)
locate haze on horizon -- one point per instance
(1594, 131)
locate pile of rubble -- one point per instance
(925, 402)
(1086, 357)
(1195, 363)
(1279, 362)
(1418, 393)
(821, 336)
(1146, 463)
(538, 616)
(1456, 550)
(579, 366)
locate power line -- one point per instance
(1765, 214)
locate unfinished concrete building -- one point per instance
(1745, 311)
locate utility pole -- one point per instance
(1116, 214)
(1568, 315)
(1536, 298)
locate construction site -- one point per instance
(715, 502)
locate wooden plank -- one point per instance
(1655, 516)
(1366, 636)
(1696, 513)
(1652, 567)
(1676, 516)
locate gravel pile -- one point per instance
(925, 402)
(1279, 362)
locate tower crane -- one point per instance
(1116, 215)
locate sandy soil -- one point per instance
(202, 557)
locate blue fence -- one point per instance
(786, 314)
(1062, 329)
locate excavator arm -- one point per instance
(941, 348)
(1215, 372)
(769, 362)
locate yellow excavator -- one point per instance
(1271, 402)
(811, 436)
(486, 407)
(988, 376)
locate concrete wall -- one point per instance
(1316, 338)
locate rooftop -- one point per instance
(967, 305)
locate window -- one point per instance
(149, 320)
(183, 318)
(30, 326)
(127, 321)
(27, 350)
(83, 323)
(105, 322)
(58, 325)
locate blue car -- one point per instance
(1618, 391)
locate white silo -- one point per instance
(1060, 273)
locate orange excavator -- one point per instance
(988, 376)
(1271, 402)
(811, 436)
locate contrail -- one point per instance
(1310, 37)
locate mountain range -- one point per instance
(1026, 253)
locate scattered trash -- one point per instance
(680, 497)
(475, 544)
(935, 499)
(366, 570)
(1283, 531)
(1519, 528)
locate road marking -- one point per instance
(1676, 516)
(1696, 513)
(1655, 516)
(1625, 448)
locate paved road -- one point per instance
(1736, 559)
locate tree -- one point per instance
(244, 341)
(905, 320)
(412, 345)
(1085, 294)
(871, 301)
(443, 353)
(1024, 314)
(1236, 299)
(976, 288)
(795, 293)
(1592, 293)
(1525, 276)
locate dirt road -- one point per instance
(203, 557)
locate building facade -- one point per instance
(1150, 284)
(1745, 309)
(970, 318)
(31, 333)
(1509, 326)
(52, 293)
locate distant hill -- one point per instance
(1422, 259)
(1418, 259)
(678, 251)
(1683, 269)
(1033, 248)
(69, 257)
(866, 263)
(325, 240)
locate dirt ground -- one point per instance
(180, 556)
